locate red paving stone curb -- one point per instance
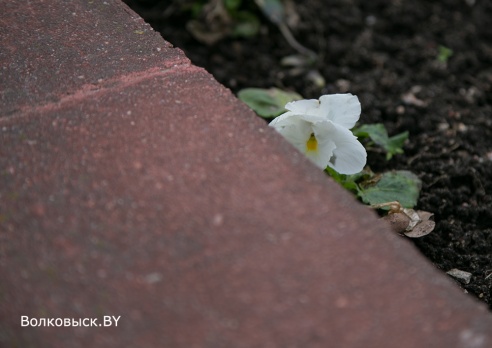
(135, 185)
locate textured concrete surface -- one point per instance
(134, 185)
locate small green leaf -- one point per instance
(344, 180)
(247, 25)
(232, 5)
(267, 103)
(365, 131)
(444, 53)
(402, 186)
(349, 182)
(378, 134)
(395, 144)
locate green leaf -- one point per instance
(196, 8)
(346, 181)
(378, 134)
(395, 144)
(232, 5)
(402, 186)
(349, 182)
(247, 25)
(444, 53)
(267, 103)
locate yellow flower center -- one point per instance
(312, 143)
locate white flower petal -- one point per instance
(302, 106)
(293, 118)
(329, 119)
(297, 130)
(342, 109)
(297, 136)
(319, 159)
(325, 152)
(294, 129)
(350, 156)
(281, 119)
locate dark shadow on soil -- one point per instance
(387, 53)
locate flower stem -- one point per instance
(284, 29)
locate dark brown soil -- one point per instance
(386, 53)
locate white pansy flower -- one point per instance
(321, 130)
